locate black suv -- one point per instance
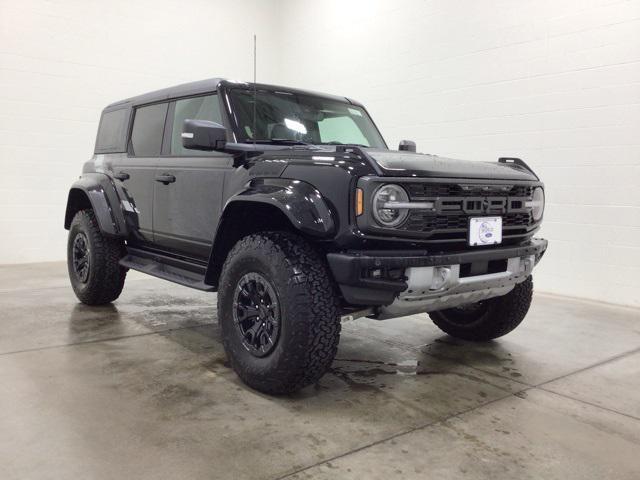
(290, 205)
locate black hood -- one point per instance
(407, 164)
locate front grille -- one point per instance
(420, 221)
(456, 203)
(422, 191)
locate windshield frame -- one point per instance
(241, 137)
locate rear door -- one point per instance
(135, 171)
(188, 204)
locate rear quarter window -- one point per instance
(112, 131)
(148, 129)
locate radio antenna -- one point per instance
(254, 90)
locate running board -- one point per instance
(169, 268)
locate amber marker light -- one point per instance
(359, 202)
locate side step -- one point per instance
(169, 268)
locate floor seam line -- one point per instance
(486, 372)
(586, 402)
(538, 385)
(589, 367)
(394, 436)
(89, 342)
(40, 289)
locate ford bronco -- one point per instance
(292, 207)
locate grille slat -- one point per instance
(421, 191)
(423, 222)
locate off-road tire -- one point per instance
(309, 315)
(106, 277)
(491, 319)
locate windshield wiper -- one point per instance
(348, 144)
(280, 141)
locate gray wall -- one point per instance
(556, 83)
(62, 61)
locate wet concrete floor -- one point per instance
(141, 389)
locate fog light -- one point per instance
(440, 277)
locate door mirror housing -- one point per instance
(203, 135)
(407, 146)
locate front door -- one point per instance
(189, 187)
(134, 172)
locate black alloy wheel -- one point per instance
(81, 257)
(256, 314)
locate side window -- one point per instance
(112, 131)
(341, 129)
(196, 108)
(148, 126)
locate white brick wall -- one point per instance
(556, 83)
(62, 61)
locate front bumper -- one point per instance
(459, 278)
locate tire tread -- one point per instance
(504, 314)
(312, 304)
(107, 276)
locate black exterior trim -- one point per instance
(181, 271)
(301, 203)
(101, 193)
(519, 162)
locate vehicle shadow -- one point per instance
(88, 323)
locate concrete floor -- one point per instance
(140, 389)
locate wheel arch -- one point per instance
(269, 204)
(96, 191)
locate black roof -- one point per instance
(204, 86)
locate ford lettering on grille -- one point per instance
(454, 204)
(479, 205)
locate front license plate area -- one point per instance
(485, 231)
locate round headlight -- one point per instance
(386, 210)
(537, 203)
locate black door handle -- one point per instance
(122, 176)
(166, 179)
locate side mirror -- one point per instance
(407, 146)
(203, 135)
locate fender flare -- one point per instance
(101, 193)
(302, 204)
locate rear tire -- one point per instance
(488, 319)
(93, 261)
(290, 339)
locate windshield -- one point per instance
(286, 117)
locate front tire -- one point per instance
(278, 312)
(93, 261)
(489, 319)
